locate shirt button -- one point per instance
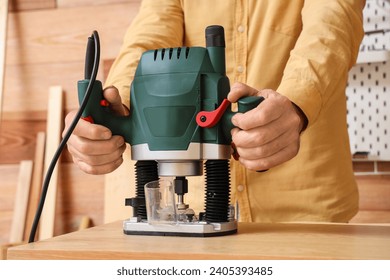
(240, 188)
(241, 29)
(240, 69)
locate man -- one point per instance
(297, 55)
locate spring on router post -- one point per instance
(145, 172)
(217, 195)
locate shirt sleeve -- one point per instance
(324, 52)
(158, 24)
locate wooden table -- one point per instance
(253, 241)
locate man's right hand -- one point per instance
(93, 147)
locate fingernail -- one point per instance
(235, 154)
(106, 135)
(120, 143)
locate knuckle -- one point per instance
(257, 165)
(112, 166)
(69, 117)
(86, 168)
(91, 170)
(93, 132)
(260, 138)
(83, 148)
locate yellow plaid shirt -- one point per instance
(301, 49)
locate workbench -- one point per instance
(253, 241)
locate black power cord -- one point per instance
(93, 50)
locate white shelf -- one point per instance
(373, 56)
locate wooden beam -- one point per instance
(36, 184)
(79, 194)
(3, 40)
(21, 201)
(30, 5)
(53, 132)
(18, 138)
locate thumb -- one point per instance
(111, 94)
(239, 90)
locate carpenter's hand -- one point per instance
(93, 148)
(269, 134)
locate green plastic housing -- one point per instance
(171, 86)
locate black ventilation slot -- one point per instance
(178, 52)
(155, 54)
(170, 53)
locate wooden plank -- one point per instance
(60, 35)
(374, 192)
(53, 132)
(384, 166)
(36, 184)
(4, 249)
(28, 5)
(9, 177)
(253, 241)
(24, 85)
(372, 217)
(21, 201)
(3, 40)
(38, 58)
(17, 140)
(363, 166)
(79, 195)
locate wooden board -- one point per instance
(65, 33)
(53, 132)
(37, 60)
(372, 217)
(374, 192)
(25, 85)
(253, 241)
(3, 40)
(36, 183)
(21, 201)
(4, 249)
(18, 140)
(79, 195)
(27, 5)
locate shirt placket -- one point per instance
(240, 34)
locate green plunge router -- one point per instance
(179, 125)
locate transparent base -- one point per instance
(194, 229)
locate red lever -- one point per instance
(104, 103)
(209, 119)
(88, 119)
